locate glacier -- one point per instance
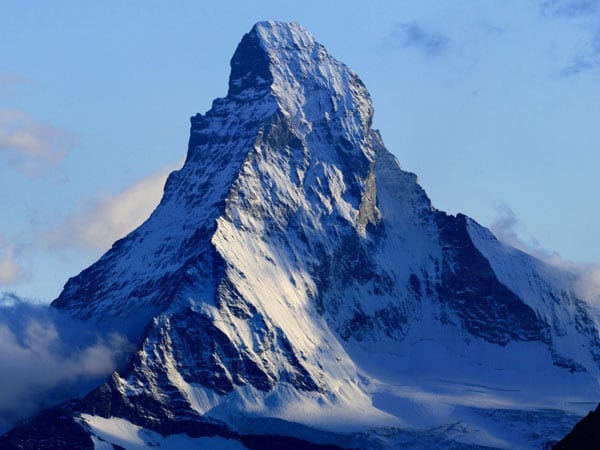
(296, 288)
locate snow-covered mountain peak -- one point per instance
(308, 84)
(294, 271)
(276, 35)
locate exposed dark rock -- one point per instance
(487, 308)
(52, 429)
(585, 435)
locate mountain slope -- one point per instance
(586, 433)
(295, 281)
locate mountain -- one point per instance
(586, 434)
(295, 288)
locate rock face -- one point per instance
(294, 280)
(586, 434)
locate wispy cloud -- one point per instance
(588, 60)
(491, 28)
(506, 228)
(32, 146)
(10, 80)
(11, 271)
(46, 357)
(106, 218)
(570, 8)
(585, 17)
(414, 35)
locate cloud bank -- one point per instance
(31, 146)
(106, 218)
(46, 358)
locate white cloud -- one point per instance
(46, 357)
(106, 218)
(506, 229)
(32, 146)
(588, 283)
(10, 270)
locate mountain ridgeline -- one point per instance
(295, 288)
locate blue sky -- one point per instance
(493, 104)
